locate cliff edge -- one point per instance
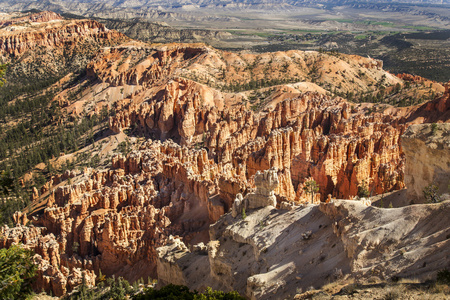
(274, 254)
(427, 148)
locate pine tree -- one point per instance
(311, 187)
(17, 272)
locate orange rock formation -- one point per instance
(41, 17)
(204, 145)
(53, 36)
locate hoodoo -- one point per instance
(262, 173)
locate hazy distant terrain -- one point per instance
(245, 14)
(409, 36)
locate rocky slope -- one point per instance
(143, 30)
(61, 45)
(303, 134)
(40, 17)
(266, 253)
(204, 123)
(16, 43)
(428, 147)
(113, 220)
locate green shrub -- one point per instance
(176, 292)
(117, 289)
(363, 192)
(434, 128)
(430, 192)
(17, 272)
(311, 187)
(168, 292)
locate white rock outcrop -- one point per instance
(266, 182)
(272, 253)
(427, 150)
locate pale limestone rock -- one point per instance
(168, 271)
(238, 205)
(266, 182)
(365, 201)
(427, 159)
(288, 205)
(274, 253)
(200, 248)
(177, 265)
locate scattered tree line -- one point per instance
(120, 289)
(18, 158)
(394, 97)
(18, 271)
(256, 84)
(37, 135)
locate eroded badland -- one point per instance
(197, 136)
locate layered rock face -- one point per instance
(41, 17)
(162, 33)
(55, 272)
(263, 196)
(309, 135)
(434, 111)
(205, 142)
(113, 220)
(272, 254)
(305, 134)
(45, 45)
(427, 147)
(17, 42)
(54, 35)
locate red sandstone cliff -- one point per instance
(113, 219)
(54, 35)
(305, 135)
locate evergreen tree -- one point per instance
(17, 271)
(311, 187)
(430, 192)
(2, 73)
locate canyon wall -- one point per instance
(325, 242)
(45, 46)
(41, 17)
(427, 147)
(113, 220)
(17, 42)
(275, 254)
(206, 121)
(305, 135)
